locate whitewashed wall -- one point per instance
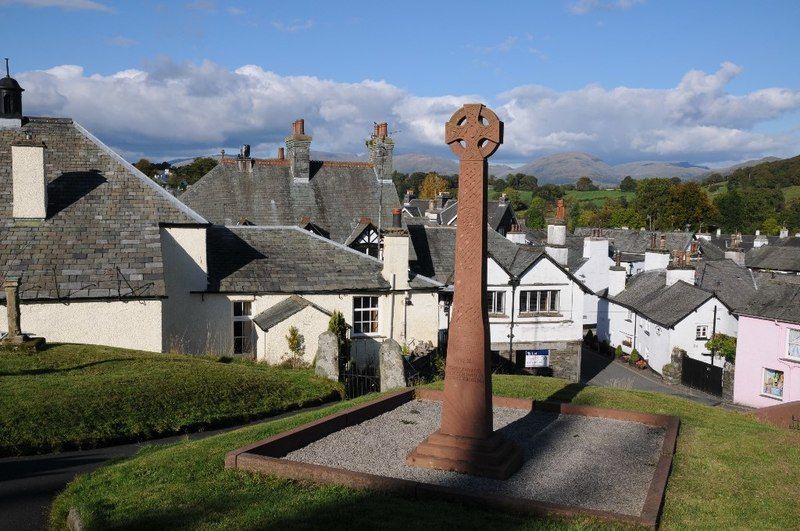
(128, 324)
(212, 318)
(655, 343)
(544, 275)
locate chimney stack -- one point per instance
(557, 236)
(516, 235)
(396, 253)
(29, 182)
(244, 161)
(680, 269)
(616, 276)
(595, 245)
(381, 147)
(657, 256)
(298, 149)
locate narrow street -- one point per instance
(604, 372)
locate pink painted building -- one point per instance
(768, 348)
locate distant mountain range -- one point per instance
(559, 168)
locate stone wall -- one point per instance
(728, 371)
(673, 370)
(565, 361)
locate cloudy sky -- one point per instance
(705, 82)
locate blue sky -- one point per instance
(708, 82)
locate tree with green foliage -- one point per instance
(628, 184)
(585, 184)
(770, 227)
(626, 217)
(689, 206)
(338, 326)
(146, 167)
(515, 199)
(550, 192)
(722, 345)
(499, 185)
(192, 172)
(522, 181)
(791, 215)
(746, 209)
(297, 348)
(537, 211)
(652, 201)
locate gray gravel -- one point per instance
(569, 459)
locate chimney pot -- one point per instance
(281, 154)
(397, 217)
(298, 127)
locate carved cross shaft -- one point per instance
(473, 133)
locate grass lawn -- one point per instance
(729, 472)
(597, 197)
(80, 396)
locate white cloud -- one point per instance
(582, 7)
(184, 108)
(68, 5)
(294, 26)
(201, 5)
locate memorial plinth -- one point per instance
(465, 441)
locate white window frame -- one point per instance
(793, 344)
(764, 381)
(246, 335)
(697, 332)
(496, 302)
(530, 301)
(366, 317)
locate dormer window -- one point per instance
(368, 243)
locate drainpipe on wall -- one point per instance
(391, 312)
(513, 282)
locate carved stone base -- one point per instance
(495, 457)
(24, 344)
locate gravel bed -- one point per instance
(590, 462)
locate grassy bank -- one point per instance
(729, 472)
(81, 396)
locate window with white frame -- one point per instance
(701, 332)
(365, 315)
(793, 343)
(773, 383)
(496, 301)
(539, 301)
(629, 317)
(242, 328)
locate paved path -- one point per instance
(29, 484)
(601, 371)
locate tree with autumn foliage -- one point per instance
(432, 186)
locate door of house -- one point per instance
(701, 375)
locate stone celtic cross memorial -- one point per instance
(465, 441)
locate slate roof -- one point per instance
(776, 300)
(285, 259)
(283, 310)
(648, 295)
(336, 197)
(499, 214)
(733, 285)
(636, 242)
(101, 236)
(783, 256)
(432, 253)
